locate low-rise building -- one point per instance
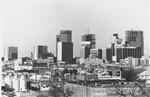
(87, 77)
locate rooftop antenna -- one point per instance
(136, 28)
(87, 30)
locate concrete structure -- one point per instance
(135, 38)
(88, 42)
(23, 83)
(145, 75)
(97, 52)
(19, 66)
(64, 46)
(16, 83)
(39, 51)
(10, 53)
(8, 80)
(91, 39)
(65, 52)
(85, 50)
(109, 72)
(124, 52)
(109, 54)
(65, 36)
(87, 77)
(92, 60)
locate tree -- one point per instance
(75, 71)
(129, 75)
(65, 71)
(68, 92)
(134, 90)
(118, 90)
(48, 54)
(58, 92)
(55, 91)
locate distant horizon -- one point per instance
(27, 23)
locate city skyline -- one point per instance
(28, 23)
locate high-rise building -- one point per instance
(64, 46)
(11, 53)
(135, 38)
(109, 54)
(39, 51)
(125, 52)
(65, 52)
(85, 50)
(90, 38)
(64, 36)
(88, 42)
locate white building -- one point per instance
(145, 75)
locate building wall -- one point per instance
(91, 38)
(86, 91)
(39, 51)
(65, 51)
(11, 53)
(97, 52)
(65, 36)
(109, 54)
(122, 53)
(59, 51)
(135, 38)
(64, 45)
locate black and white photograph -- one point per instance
(75, 48)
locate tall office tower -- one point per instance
(125, 52)
(85, 50)
(11, 53)
(109, 54)
(90, 38)
(64, 46)
(135, 39)
(88, 42)
(39, 51)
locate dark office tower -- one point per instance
(39, 51)
(64, 46)
(65, 52)
(90, 38)
(85, 50)
(109, 54)
(11, 53)
(88, 42)
(124, 52)
(135, 39)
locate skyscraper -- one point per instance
(39, 51)
(90, 38)
(88, 42)
(85, 50)
(11, 53)
(64, 46)
(135, 39)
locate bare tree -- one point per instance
(118, 90)
(134, 90)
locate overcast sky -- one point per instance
(29, 22)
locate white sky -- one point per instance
(29, 22)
